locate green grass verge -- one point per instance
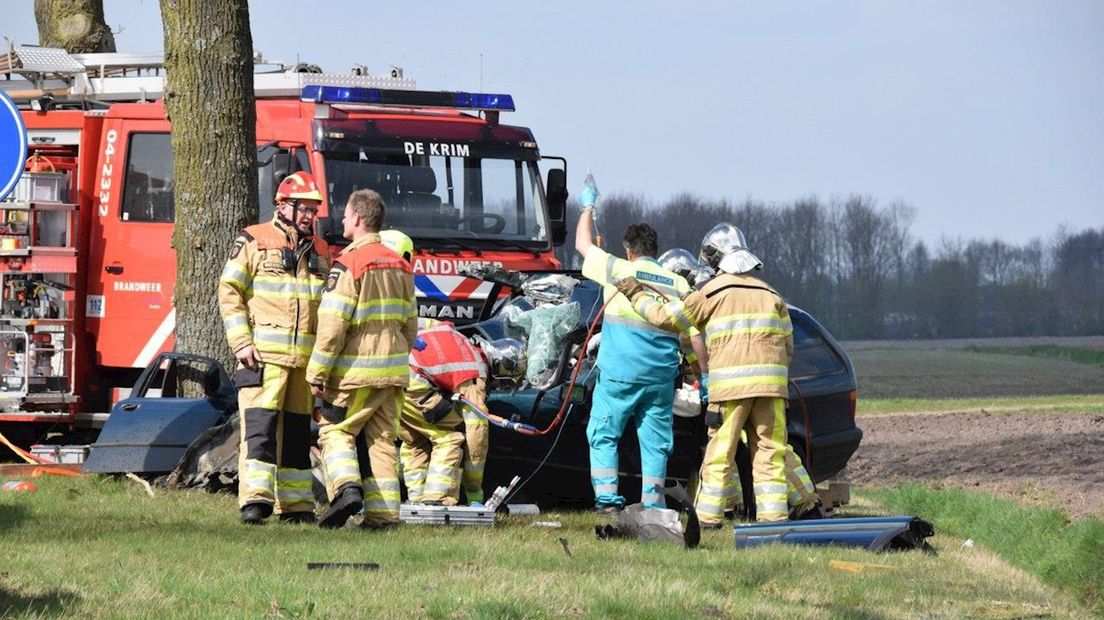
(947, 373)
(1081, 355)
(95, 547)
(1079, 403)
(1039, 540)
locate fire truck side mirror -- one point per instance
(557, 204)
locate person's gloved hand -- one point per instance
(588, 196)
(438, 412)
(629, 287)
(712, 418)
(419, 344)
(703, 388)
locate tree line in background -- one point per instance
(854, 265)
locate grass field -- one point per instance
(1081, 355)
(1080, 403)
(1039, 540)
(923, 373)
(95, 547)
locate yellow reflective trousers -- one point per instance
(274, 465)
(766, 420)
(373, 412)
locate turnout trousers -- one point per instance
(274, 465)
(648, 407)
(437, 458)
(802, 494)
(766, 421)
(372, 412)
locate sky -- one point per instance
(987, 116)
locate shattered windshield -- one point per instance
(446, 196)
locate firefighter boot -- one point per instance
(348, 501)
(816, 512)
(298, 517)
(255, 513)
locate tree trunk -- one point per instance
(209, 98)
(76, 25)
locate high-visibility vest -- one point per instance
(448, 358)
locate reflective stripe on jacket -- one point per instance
(747, 332)
(632, 349)
(366, 321)
(267, 302)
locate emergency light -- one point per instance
(408, 98)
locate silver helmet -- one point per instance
(506, 359)
(680, 261)
(725, 249)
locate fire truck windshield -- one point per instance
(452, 196)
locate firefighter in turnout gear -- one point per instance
(434, 428)
(750, 341)
(268, 297)
(444, 363)
(803, 498)
(366, 325)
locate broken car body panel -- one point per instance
(870, 533)
(149, 432)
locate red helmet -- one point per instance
(298, 186)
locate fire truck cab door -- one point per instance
(132, 265)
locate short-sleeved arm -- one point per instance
(604, 268)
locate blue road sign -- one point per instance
(13, 145)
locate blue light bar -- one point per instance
(408, 98)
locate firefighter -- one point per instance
(637, 363)
(366, 325)
(268, 297)
(750, 342)
(398, 243)
(689, 268)
(802, 496)
(684, 263)
(444, 363)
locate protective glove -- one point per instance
(629, 287)
(703, 387)
(713, 418)
(419, 344)
(438, 412)
(588, 196)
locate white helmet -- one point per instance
(725, 249)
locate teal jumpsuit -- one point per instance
(637, 365)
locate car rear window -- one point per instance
(813, 355)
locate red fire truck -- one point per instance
(86, 264)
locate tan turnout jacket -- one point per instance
(265, 303)
(747, 332)
(367, 320)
